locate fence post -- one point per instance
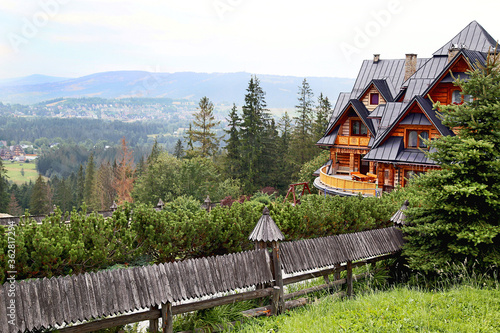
(265, 233)
(153, 323)
(349, 278)
(166, 318)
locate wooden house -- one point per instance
(377, 131)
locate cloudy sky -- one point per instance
(72, 38)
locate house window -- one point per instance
(409, 174)
(455, 97)
(468, 99)
(358, 128)
(374, 99)
(416, 139)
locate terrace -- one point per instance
(343, 185)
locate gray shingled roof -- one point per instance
(415, 119)
(416, 87)
(399, 217)
(378, 112)
(363, 113)
(266, 230)
(388, 151)
(473, 36)
(382, 87)
(328, 140)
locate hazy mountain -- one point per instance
(281, 91)
(31, 79)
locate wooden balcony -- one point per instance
(343, 184)
(355, 141)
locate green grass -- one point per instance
(14, 172)
(460, 309)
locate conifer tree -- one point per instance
(13, 208)
(88, 190)
(253, 126)
(204, 122)
(40, 202)
(459, 219)
(285, 166)
(179, 149)
(232, 160)
(124, 175)
(4, 197)
(155, 152)
(80, 186)
(303, 148)
(323, 112)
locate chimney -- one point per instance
(452, 51)
(376, 58)
(410, 65)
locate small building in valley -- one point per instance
(376, 135)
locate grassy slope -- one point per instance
(460, 309)
(14, 172)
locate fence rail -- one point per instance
(162, 290)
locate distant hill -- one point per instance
(31, 79)
(281, 91)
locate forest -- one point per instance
(80, 158)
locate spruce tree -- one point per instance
(459, 216)
(232, 160)
(40, 203)
(88, 190)
(4, 196)
(80, 186)
(303, 148)
(179, 149)
(285, 166)
(204, 122)
(255, 119)
(123, 182)
(323, 112)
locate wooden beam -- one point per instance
(112, 322)
(209, 303)
(315, 288)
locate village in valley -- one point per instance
(374, 209)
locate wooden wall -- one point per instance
(365, 99)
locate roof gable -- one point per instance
(381, 86)
(472, 37)
(427, 109)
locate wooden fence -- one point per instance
(164, 290)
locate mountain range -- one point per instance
(226, 88)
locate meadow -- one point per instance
(463, 308)
(14, 173)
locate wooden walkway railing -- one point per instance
(161, 291)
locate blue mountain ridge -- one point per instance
(227, 88)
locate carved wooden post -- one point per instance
(208, 204)
(265, 233)
(114, 206)
(167, 317)
(160, 204)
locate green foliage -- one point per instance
(308, 168)
(40, 199)
(459, 216)
(138, 234)
(4, 196)
(204, 121)
(460, 309)
(86, 243)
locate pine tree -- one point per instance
(459, 217)
(40, 203)
(253, 126)
(13, 208)
(155, 152)
(104, 190)
(303, 148)
(88, 190)
(232, 160)
(80, 186)
(204, 122)
(124, 175)
(179, 149)
(4, 196)
(285, 166)
(323, 112)
(190, 152)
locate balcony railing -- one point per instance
(339, 183)
(356, 141)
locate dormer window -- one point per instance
(374, 98)
(416, 139)
(358, 128)
(455, 97)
